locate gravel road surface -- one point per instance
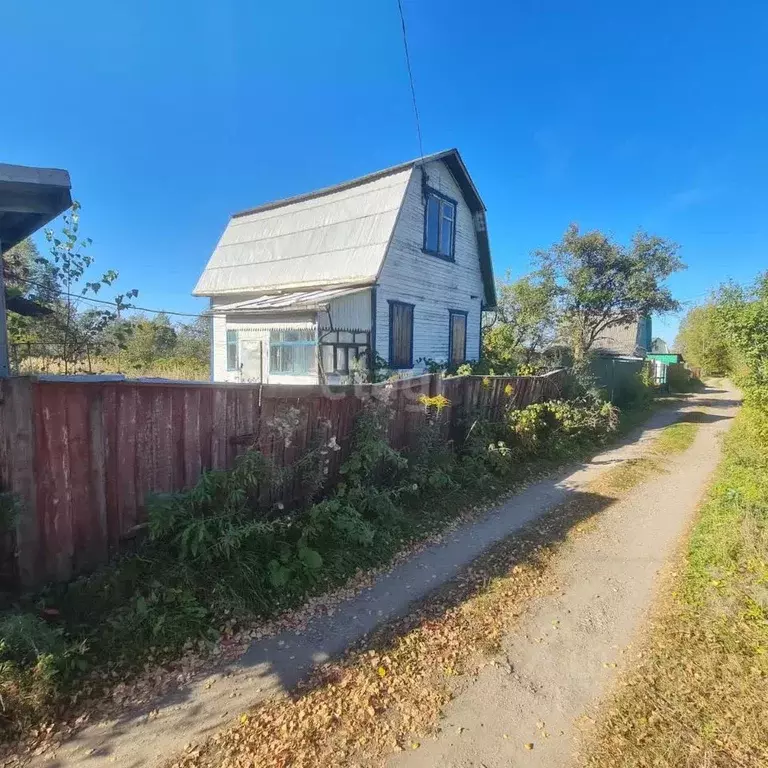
(569, 648)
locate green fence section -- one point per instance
(618, 376)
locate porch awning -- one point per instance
(298, 301)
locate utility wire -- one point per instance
(103, 301)
(410, 76)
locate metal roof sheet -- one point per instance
(340, 237)
(29, 199)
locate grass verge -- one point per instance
(697, 696)
(673, 439)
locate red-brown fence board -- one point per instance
(82, 456)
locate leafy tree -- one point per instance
(150, 340)
(61, 282)
(601, 283)
(524, 320)
(18, 264)
(702, 340)
(193, 340)
(743, 314)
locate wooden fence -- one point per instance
(81, 455)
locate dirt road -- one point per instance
(570, 648)
(610, 582)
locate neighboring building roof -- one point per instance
(660, 346)
(29, 199)
(295, 301)
(621, 340)
(336, 236)
(25, 307)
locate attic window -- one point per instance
(439, 225)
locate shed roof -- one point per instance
(336, 236)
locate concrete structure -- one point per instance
(29, 199)
(395, 265)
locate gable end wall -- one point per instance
(434, 286)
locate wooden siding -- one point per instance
(352, 312)
(433, 285)
(82, 456)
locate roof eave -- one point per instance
(29, 199)
(285, 287)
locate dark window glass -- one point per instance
(458, 352)
(439, 226)
(401, 335)
(432, 223)
(447, 213)
(342, 365)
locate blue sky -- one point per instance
(613, 115)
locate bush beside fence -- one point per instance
(80, 456)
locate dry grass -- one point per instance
(184, 369)
(698, 695)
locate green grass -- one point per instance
(676, 438)
(698, 695)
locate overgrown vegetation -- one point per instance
(702, 342)
(222, 553)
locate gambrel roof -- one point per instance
(337, 236)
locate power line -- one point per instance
(78, 296)
(410, 76)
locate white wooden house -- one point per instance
(394, 266)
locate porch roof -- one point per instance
(297, 301)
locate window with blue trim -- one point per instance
(233, 351)
(439, 225)
(292, 352)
